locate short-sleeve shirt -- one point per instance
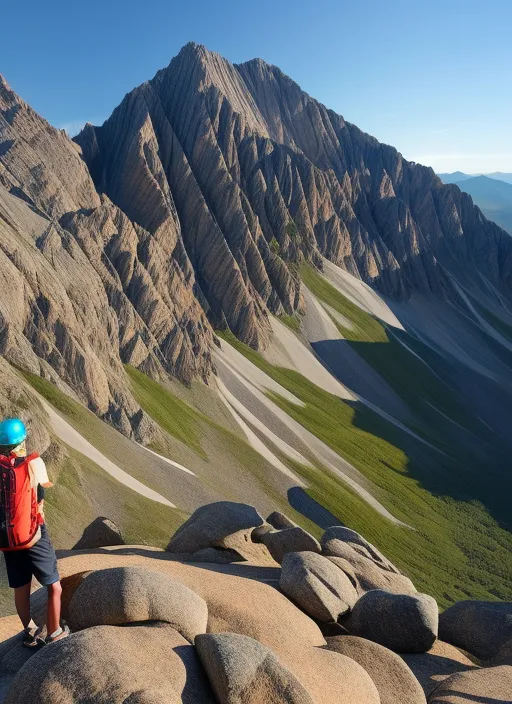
(38, 473)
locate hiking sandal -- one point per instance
(64, 633)
(31, 637)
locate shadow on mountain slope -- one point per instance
(461, 457)
(302, 502)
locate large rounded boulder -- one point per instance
(480, 627)
(243, 671)
(367, 575)
(356, 556)
(279, 521)
(401, 622)
(486, 685)
(113, 665)
(224, 524)
(317, 586)
(340, 541)
(102, 532)
(123, 595)
(281, 542)
(437, 664)
(395, 682)
(504, 655)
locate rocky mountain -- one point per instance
(240, 155)
(350, 315)
(189, 208)
(83, 288)
(352, 319)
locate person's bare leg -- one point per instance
(22, 603)
(54, 605)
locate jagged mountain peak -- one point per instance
(216, 180)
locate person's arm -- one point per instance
(38, 467)
(42, 481)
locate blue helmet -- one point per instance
(12, 432)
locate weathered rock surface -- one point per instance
(240, 154)
(224, 524)
(239, 596)
(343, 542)
(316, 585)
(438, 663)
(126, 595)
(216, 555)
(100, 533)
(200, 169)
(366, 575)
(487, 685)
(258, 533)
(108, 664)
(480, 627)
(330, 678)
(243, 671)
(401, 622)
(88, 289)
(279, 521)
(9, 627)
(289, 540)
(394, 680)
(240, 600)
(363, 563)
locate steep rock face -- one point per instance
(234, 156)
(199, 173)
(83, 288)
(40, 163)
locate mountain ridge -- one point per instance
(201, 215)
(330, 159)
(170, 246)
(493, 196)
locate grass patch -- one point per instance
(174, 415)
(457, 549)
(364, 326)
(66, 504)
(83, 491)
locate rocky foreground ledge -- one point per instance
(239, 610)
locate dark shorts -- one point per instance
(39, 561)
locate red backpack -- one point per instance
(19, 516)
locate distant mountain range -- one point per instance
(491, 192)
(458, 176)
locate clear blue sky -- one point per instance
(431, 77)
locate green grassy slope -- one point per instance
(225, 464)
(171, 413)
(411, 378)
(456, 550)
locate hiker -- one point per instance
(24, 538)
